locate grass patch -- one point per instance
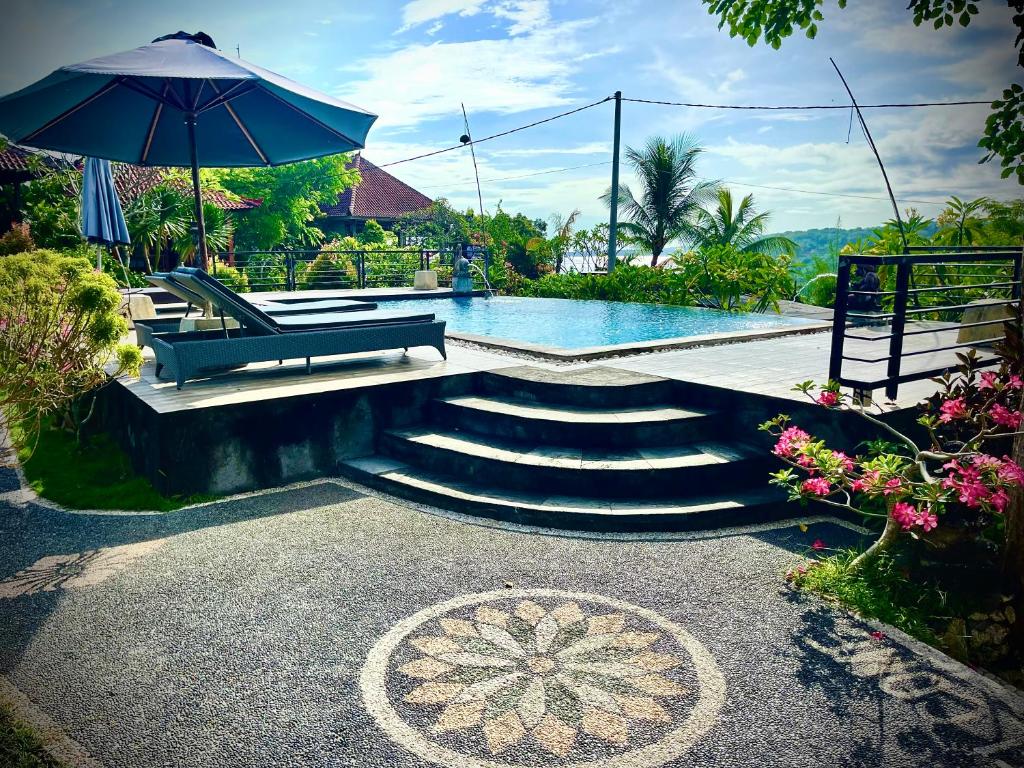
(882, 590)
(96, 475)
(19, 745)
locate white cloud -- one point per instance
(420, 11)
(525, 15)
(420, 82)
(434, 28)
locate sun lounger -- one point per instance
(166, 281)
(262, 338)
(145, 329)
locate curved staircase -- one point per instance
(597, 449)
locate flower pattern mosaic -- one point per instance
(74, 571)
(539, 677)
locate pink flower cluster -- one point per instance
(828, 398)
(818, 486)
(989, 379)
(983, 482)
(907, 515)
(1003, 416)
(790, 441)
(952, 410)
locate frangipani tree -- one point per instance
(910, 484)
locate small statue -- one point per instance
(462, 281)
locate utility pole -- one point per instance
(613, 215)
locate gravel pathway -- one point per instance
(318, 626)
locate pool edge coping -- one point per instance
(583, 354)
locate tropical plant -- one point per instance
(550, 252)
(778, 19)
(157, 218)
(959, 224)
(724, 277)
(670, 196)
(219, 227)
(52, 203)
(590, 249)
(291, 196)
(233, 278)
(738, 226)
(17, 239)
(59, 326)
(626, 283)
(437, 226)
(909, 485)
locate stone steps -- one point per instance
(592, 387)
(592, 449)
(569, 512)
(572, 425)
(643, 473)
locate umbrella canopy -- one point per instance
(102, 219)
(178, 102)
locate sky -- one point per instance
(512, 62)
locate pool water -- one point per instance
(574, 324)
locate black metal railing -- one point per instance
(306, 270)
(910, 305)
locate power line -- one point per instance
(523, 175)
(829, 195)
(498, 135)
(680, 104)
(795, 107)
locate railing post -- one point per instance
(289, 274)
(899, 322)
(213, 259)
(361, 269)
(835, 360)
(1015, 288)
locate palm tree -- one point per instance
(670, 198)
(739, 227)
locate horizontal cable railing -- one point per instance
(310, 270)
(903, 308)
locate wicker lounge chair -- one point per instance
(145, 329)
(262, 338)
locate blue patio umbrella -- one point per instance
(102, 218)
(176, 102)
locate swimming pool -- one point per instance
(570, 324)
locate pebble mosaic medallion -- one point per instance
(542, 677)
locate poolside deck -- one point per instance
(766, 367)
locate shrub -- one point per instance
(329, 270)
(955, 479)
(625, 283)
(723, 277)
(17, 239)
(233, 278)
(59, 326)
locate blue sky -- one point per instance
(515, 61)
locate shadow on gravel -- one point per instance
(901, 708)
(42, 551)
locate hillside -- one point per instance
(821, 242)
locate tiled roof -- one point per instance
(133, 180)
(378, 196)
(14, 159)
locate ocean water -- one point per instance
(574, 324)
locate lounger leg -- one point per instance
(159, 367)
(444, 355)
(309, 368)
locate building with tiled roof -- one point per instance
(379, 196)
(130, 181)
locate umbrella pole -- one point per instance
(201, 255)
